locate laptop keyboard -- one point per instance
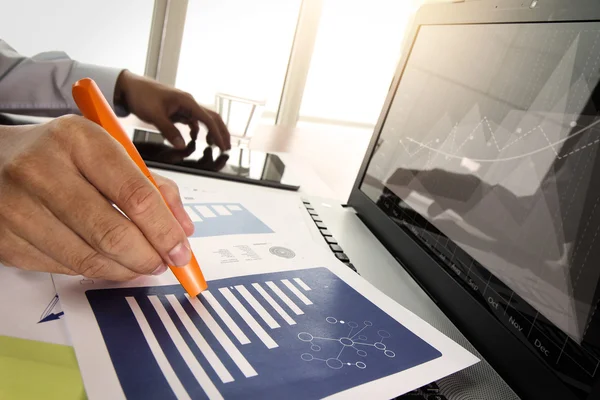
(428, 392)
(333, 244)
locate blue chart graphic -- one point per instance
(217, 219)
(297, 335)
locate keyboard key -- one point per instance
(411, 396)
(307, 203)
(312, 211)
(316, 218)
(437, 397)
(330, 240)
(336, 248)
(351, 266)
(320, 225)
(432, 388)
(325, 232)
(342, 257)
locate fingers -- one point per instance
(169, 130)
(223, 129)
(87, 213)
(62, 245)
(194, 129)
(117, 177)
(20, 253)
(170, 193)
(216, 128)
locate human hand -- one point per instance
(163, 106)
(58, 184)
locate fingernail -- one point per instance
(190, 227)
(179, 143)
(160, 270)
(180, 255)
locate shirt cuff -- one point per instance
(105, 78)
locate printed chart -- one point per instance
(218, 219)
(295, 334)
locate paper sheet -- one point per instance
(273, 330)
(257, 216)
(29, 307)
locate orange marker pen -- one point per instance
(93, 106)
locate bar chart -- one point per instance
(294, 334)
(218, 219)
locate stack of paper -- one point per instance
(282, 318)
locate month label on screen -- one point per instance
(455, 269)
(473, 285)
(541, 347)
(515, 324)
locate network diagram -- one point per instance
(357, 341)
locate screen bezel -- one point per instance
(522, 370)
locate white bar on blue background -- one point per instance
(159, 355)
(202, 344)
(302, 284)
(260, 310)
(249, 319)
(284, 298)
(201, 376)
(274, 304)
(237, 332)
(221, 210)
(237, 357)
(193, 214)
(297, 292)
(234, 208)
(205, 211)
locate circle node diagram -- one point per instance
(305, 337)
(347, 347)
(334, 363)
(282, 252)
(383, 334)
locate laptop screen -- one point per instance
(489, 157)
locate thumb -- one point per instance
(170, 193)
(169, 131)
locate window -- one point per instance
(356, 53)
(111, 33)
(237, 47)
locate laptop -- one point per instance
(476, 205)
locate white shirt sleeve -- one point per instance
(41, 85)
